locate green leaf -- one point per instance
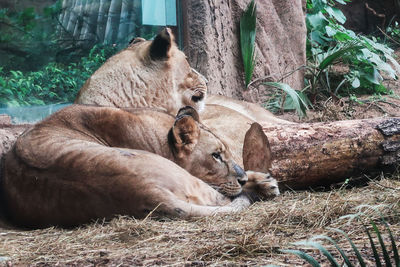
(344, 256)
(298, 103)
(247, 40)
(330, 31)
(382, 243)
(317, 21)
(337, 53)
(320, 248)
(302, 255)
(373, 247)
(336, 13)
(356, 251)
(393, 243)
(355, 83)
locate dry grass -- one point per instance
(252, 237)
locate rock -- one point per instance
(213, 44)
(366, 15)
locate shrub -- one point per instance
(54, 83)
(329, 42)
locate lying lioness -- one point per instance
(84, 163)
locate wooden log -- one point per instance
(323, 153)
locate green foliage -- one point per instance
(329, 43)
(54, 83)
(370, 229)
(288, 99)
(27, 35)
(247, 40)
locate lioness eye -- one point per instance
(216, 156)
(197, 98)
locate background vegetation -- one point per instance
(47, 54)
(339, 61)
(37, 66)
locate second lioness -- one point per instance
(84, 163)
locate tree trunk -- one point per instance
(69, 5)
(323, 153)
(125, 20)
(135, 19)
(72, 20)
(113, 21)
(64, 12)
(85, 15)
(102, 19)
(90, 24)
(79, 20)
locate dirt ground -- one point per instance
(253, 237)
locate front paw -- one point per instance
(261, 186)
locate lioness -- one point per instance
(84, 163)
(146, 74)
(156, 74)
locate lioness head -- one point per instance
(204, 155)
(146, 74)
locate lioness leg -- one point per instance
(184, 209)
(260, 186)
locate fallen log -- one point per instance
(311, 154)
(323, 153)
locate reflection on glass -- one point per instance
(49, 48)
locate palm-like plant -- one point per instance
(369, 230)
(247, 40)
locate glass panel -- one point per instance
(159, 12)
(49, 48)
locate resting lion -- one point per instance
(83, 163)
(157, 74)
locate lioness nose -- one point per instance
(241, 175)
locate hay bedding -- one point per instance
(252, 237)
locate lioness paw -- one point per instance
(261, 186)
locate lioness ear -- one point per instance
(185, 133)
(188, 111)
(161, 45)
(257, 154)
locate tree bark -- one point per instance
(72, 19)
(307, 155)
(91, 22)
(79, 21)
(85, 17)
(69, 5)
(113, 21)
(125, 20)
(102, 19)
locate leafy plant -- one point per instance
(247, 40)
(369, 230)
(25, 36)
(329, 42)
(54, 83)
(288, 99)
